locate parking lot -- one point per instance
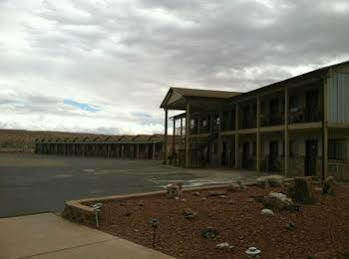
(36, 183)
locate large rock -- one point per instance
(174, 190)
(209, 233)
(216, 193)
(270, 180)
(189, 213)
(267, 212)
(224, 245)
(278, 201)
(236, 187)
(329, 185)
(301, 190)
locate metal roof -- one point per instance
(176, 98)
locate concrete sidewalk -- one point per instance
(47, 235)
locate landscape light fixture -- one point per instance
(253, 252)
(154, 222)
(97, 208)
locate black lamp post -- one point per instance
(154, 222)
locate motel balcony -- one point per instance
(305, 104)
(303, 114)
(268, 120)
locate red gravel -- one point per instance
(322, 227)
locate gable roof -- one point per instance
(177, 96)
(310, 76)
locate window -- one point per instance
(336, 149)
(214, 148)
(204, 123)
(254, 148)
(192, 124)
(293, 102)
(292, 148)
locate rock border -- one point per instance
(77, 211)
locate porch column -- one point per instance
(237, 135)
(258, 142)
(153, 155)
(286, 139)
(181, 126)
(165, 137)
(122, 151)
(325, 132)
(187, 133)
(199, 124)
(219, 139)
(137, 151)
(174, 137)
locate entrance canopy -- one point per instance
(178, 98)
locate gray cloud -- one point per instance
(123, 55)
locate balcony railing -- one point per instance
(299, 115)
(271, 120)
(249, 123)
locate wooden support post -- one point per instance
(165, 137)
(325, 132)
(146, 151)
(286, 139)
(219, 139)
(153, 155)
(181, 127)
(258, 142)
(187, 133)
(199, 124)
(174, 138)
(137, 151)
(236, 135)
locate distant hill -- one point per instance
(23, 140)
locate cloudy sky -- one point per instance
(104, 65)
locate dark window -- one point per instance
(292, 148)
(204, 123)
(214, 148)
(293, 102)
(192, 124)
(254, 148)
(336, 149)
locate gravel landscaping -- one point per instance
(193, 226)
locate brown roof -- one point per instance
(183, 93)
(141, 137)
(188, 92)
(317, 74)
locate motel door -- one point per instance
(310, 157)
(245, 154)
(224, 154)
(273, 156)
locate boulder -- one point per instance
(196, 193)
(209, 233)
(329, 185)
(270, 180)
(278, 201)
(236, 187)
(301, 190)
(189, 213)
(233, 187)
(267, 212)
(215, 193)
(241, 185)
(290, 226)
(224, 246)
(174, 190)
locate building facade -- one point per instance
(114, 147)
(296, 127)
